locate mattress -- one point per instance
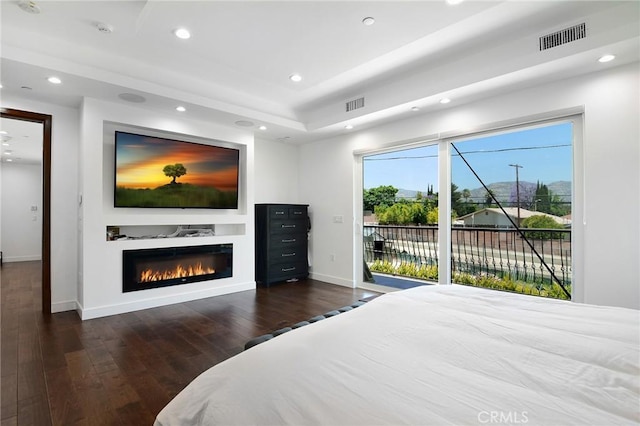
(432, 355)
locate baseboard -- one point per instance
(31, 258)
(70, 305)
(332, 280)
(121, 308)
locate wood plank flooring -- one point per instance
(123, 369)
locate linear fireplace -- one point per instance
(152, 268)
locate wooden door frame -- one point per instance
(46, 121)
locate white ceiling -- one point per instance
(237, 63)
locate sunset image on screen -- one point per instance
(157, 172)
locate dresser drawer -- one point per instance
(287, 226)
(288, 254)
(284, 271)
(287, 240)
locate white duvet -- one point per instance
(432, 355)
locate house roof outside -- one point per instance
(513, 213)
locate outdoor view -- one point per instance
(511, 213)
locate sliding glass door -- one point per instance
(507, 222)
(400, 218)
(511, 210)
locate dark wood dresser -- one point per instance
(281, 242)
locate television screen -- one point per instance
(167, 173)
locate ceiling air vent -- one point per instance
(355, 104)
(563, 36)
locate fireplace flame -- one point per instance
(149, 275)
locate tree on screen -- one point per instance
(174, 171)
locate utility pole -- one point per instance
(517, 166)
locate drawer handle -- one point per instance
(288, 254)
(288, 269)
(277, 213)
(288, 226)
(298, 213)
(291, 240)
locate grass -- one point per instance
(504, 283)
(177, 195)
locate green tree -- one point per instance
(541, 222)
(174, 171)
(488, 198)
(432, 216)
(384, 195)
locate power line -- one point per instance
(468, 152)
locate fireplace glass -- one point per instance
(152, 268)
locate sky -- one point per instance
(141, 159)
(544, 154)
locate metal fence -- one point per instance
(500, 252)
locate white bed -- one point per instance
(432, 355)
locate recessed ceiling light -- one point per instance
(7, 152)
(415, 108)
(263, 127)
(606, 58)
(182, 33)
(454, 2)
(9, 160)
(0, 85)
(348, 127)
(180, 108)
(445, 100)
(296, 78)
(6, 144)
(54, 80)
(368, 21)
(3, 132)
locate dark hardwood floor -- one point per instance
(123, 369)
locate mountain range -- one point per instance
(504, 190)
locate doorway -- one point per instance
(46, 122)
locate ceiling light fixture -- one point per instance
(262, 127)
(9, 160)
(29, 6)
(296, 78)
(104, 28)
(132, 97)
(348, 127)
(54, 80)
(368, 21)
(606, 58)
(415, 108)
(0, 85)
(445, 100)
(182, 33)
(180, 108)
(454, 2)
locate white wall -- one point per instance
(21, 226)
(64, 190)
(609, 273)
(276, 171)
(101, 260)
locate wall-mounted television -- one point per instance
(167, 173)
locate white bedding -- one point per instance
(432, 355)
